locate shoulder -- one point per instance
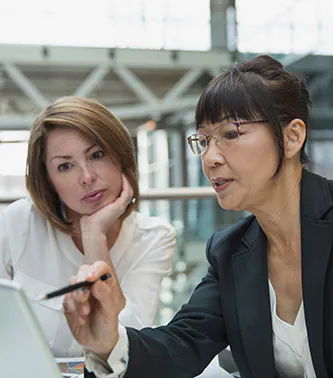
(24, 213)
(224, 243)
(19, 220)
(20, 209)
(152, 225)
(151, 234)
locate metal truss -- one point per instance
(21, 95)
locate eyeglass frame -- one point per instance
(209, 137)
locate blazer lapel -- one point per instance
(316, 241)
(316, 248)
(253, 304)
(251, 280)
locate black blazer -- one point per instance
(231, 305)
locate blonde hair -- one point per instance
(95, 122)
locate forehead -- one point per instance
(62, 139)
(209, 125)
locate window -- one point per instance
(285, 26)
(153, 24)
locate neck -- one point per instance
(279, 216)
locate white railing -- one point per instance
(179, 193)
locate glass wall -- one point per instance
(285, 26)
(322, 157)
(150, 24)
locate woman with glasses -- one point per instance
(268, 292)
(82, 207)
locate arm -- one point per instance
(187, 344)
(141, 284)
(141, 287)
(153, 258)
(183, 348)
(95, 227)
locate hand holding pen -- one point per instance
(92, 315)
(76, 286)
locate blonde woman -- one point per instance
(83, 185)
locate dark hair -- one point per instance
(259, 88)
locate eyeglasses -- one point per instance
(227, 134)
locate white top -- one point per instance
(42, 259)
(290, 343)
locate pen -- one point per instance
(70, 288)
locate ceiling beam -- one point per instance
(131, 58)
(142, 92)
(129, 112)
(26, 85)
(90, 83)
(183, 84)
(148, 110)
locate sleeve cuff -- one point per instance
(116, 364)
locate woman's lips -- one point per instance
(220, 187)
(94, 197)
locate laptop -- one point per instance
(24, 352)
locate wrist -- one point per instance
(93, 235)
(95, 247)
(90, 226)
(104, 355)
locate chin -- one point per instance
(230, 204)
(90, 209)
(226, 205)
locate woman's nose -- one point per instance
(88, 175)
(213, 156)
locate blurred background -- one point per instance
(148, 61)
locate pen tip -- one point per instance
(42, 298)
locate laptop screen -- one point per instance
(23, 349)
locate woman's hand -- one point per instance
(92, 314)
(101, 221)
(95, 235)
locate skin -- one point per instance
(275, 202)
(251, 163)
(240, 161)
(76, 167)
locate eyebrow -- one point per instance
(225, 118)
(67, 157)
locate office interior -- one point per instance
(151, 75)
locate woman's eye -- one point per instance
(97, 155)
(231, 135)
(64, 167)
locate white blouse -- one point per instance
(290, 344)
(42, 259)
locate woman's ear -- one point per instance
(294, 137)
